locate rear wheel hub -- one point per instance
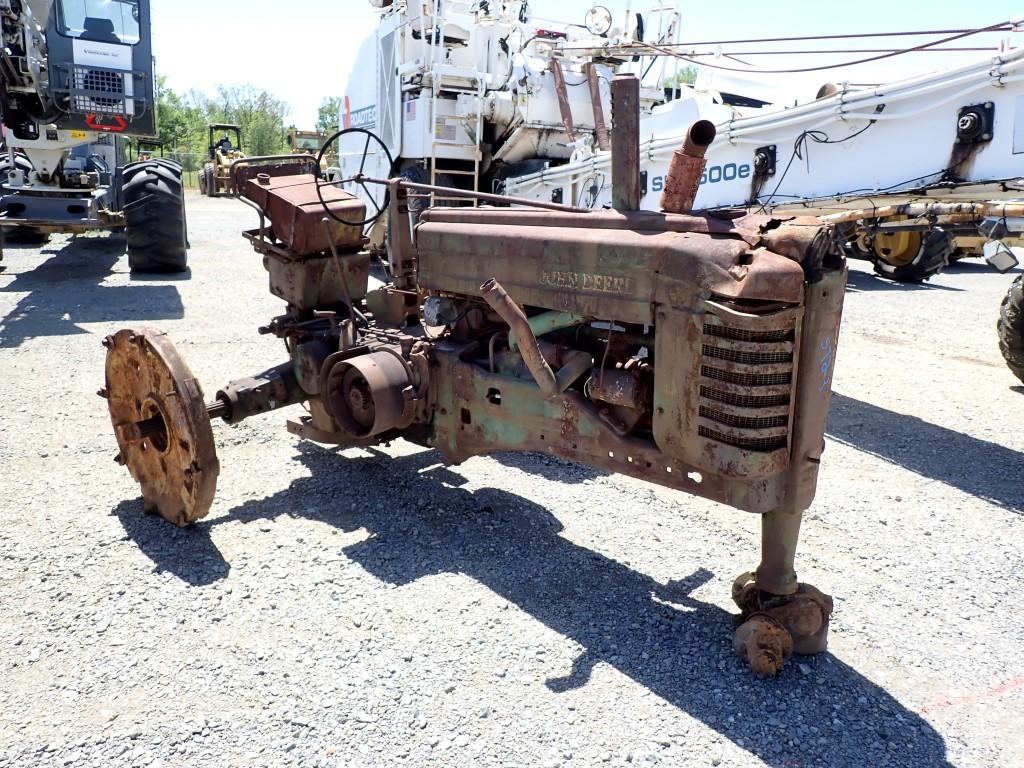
(162, 428)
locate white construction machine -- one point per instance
(951, 136)
(468, 93)
(76, 79)
(483, 94)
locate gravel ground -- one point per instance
(378, 608)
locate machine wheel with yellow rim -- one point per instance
(907, 256)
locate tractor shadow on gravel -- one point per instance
(819, 711)
(986, 470)
(548, 467)
(66, 289)
(188, 553)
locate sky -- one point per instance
(303, 50)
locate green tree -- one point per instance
(685, 76)
(259, 113)
(180, 124)
(329, 116)
(182, 120)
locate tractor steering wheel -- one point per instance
(358, 178)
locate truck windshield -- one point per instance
(102, 21)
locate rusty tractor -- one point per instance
(690, 350)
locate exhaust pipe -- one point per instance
(626, 142)
(688, 164)
(529, 347)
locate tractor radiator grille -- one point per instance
(741, 334)
(746, 383)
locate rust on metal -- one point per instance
(499, 300)
(618, 387)
(370, 394)
(313, 280)
(625, 142)
(597, 104)
(562, 91)
(162, 428)
(686, 168)
(296, 214)
(801, 617)
(763, 643)
(692, 351)
(244, 169)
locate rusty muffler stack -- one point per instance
(688, 163)
(686, 169)
(626, 142)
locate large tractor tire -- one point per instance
(202, 182)
(1011, 328)
(154, 208)
(923, 255)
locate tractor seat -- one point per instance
(99, 30)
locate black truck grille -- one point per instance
(100, 91)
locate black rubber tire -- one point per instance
(20, 161)
(1011, 328)
(201, 177)
(165, 163)
(932, 257)
(417, 174)
(26, 236)
(154, 207)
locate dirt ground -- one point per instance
(378, 608)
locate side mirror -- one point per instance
(1000, 256)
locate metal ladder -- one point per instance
(438, 165)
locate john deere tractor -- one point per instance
(225, 148)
